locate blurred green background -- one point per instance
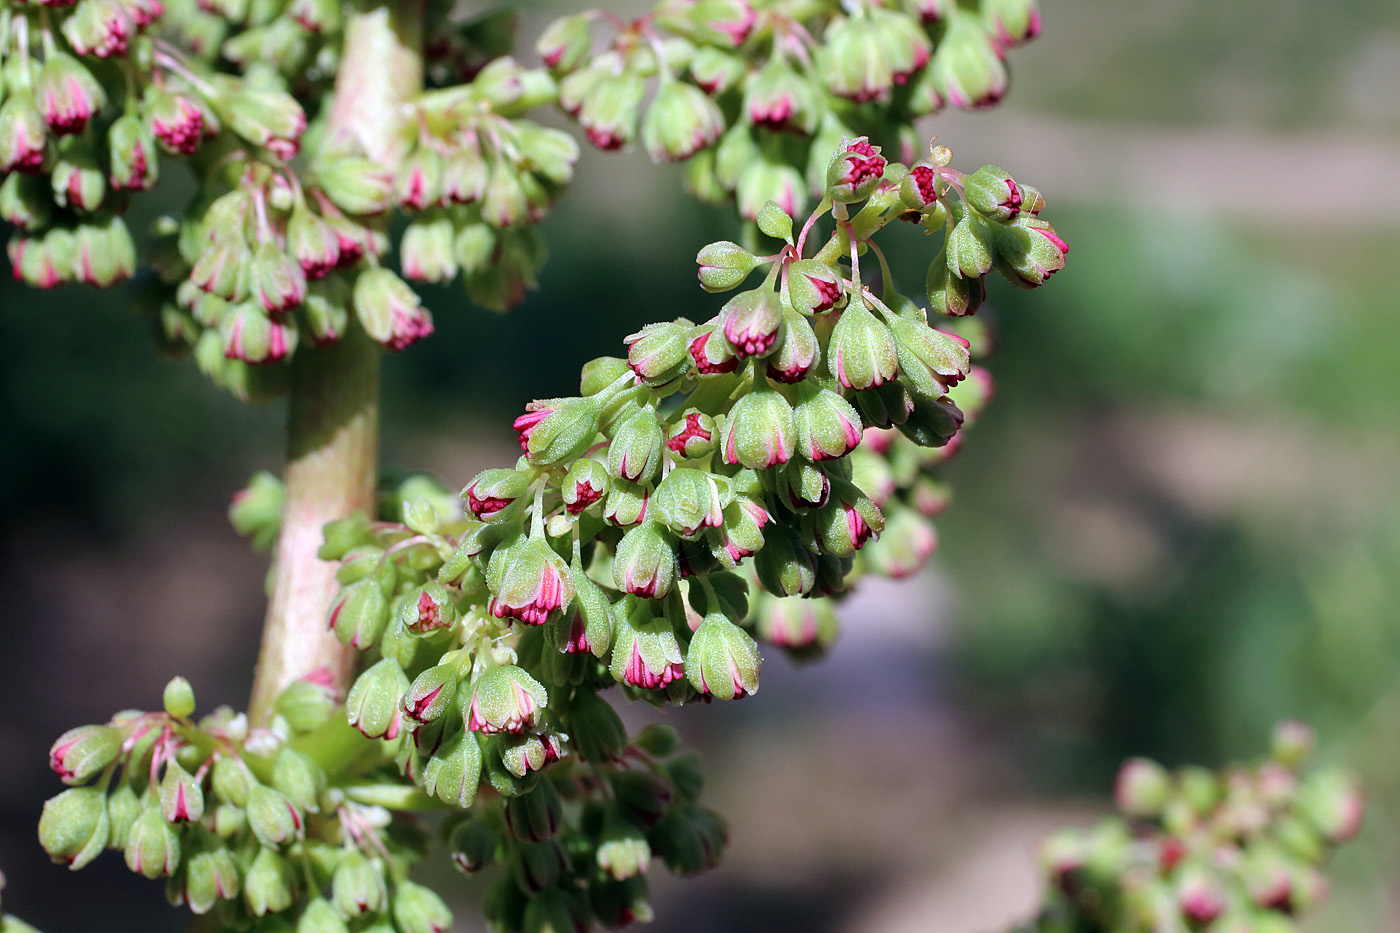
(1178, 523)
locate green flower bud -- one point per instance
(761, 180)
(272, 816)
(432, 693)
(1028, 253)
(152, 844)
(993, 193)
(390, 310)
(25, 200)
(320, 916)
(418, 910)
(81, 753)
(373, 703)
(635, 451)
(724, 265)
(357, 886)
(181, 799)
(307, 705)
(805, 628)
(589, 624)
(528, 581)
(689, 839)
(565, 43)
(970, 246)
(716, 71)
(753, 322)
(104, 253)
(903, 547)
(622, 847)
(1291, 743)
(646, 653)
(453, 771)
(1332, 801)
(359, 614)
(931, 422)
(967, 65)
(722, 660)
(505, 699)
(784, 566)
(24, 140)
(555, 911)
(689, 500)
(231, 780)
(211, 875)
(299, 778)
(862, 352)
(610, 108)
(681, 120)
(66, 94)
(802, 486)
(230, 822)
(474, 844)
(264, 116)
(537, 814)
(626, 503)
(826, 425)
(123, 807)
(268, 884)
(75, 178)
(759, 431)
(951, 294)
(620, 903)
(522, 754)
(930, 361)
(505, 203)
(427, 248)
(179, 698)
(558, 430)
(645, 563)
(75, 826)
(356, 185)
(538, 865)
(585, 484)
(778, 98)
(849, 521)
(248, 334)
(659, 353)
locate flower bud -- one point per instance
(712, 354)
(505, 203)
(178, 122)
(931, 422)
(538, 865)
(618, 904)
(474, 844)
(1332, 801)
(355, 184)
(778, 98)
(523, 754)
(826, 425)
(264, 116)
(967, 66)
(152, 844)
(862, 351)
(950, 294)
(276, 279)
(784, 565)
(1292, 743)
(312, 243)
(299, 778)
(726, 22)
(609, 111)
(418, 910)
(536, 815)
(851, 520)
(357, 885)
(716, 71)
(74, 826)
(133, 163)
(23, 134)
(645, 563)
(585, 484)
(693, 436)
(453, 772)
(181, 800)
(272, 817)
(753, 321)
(557, 430)
(761, 181)
(1026, 255)
(1011, 21)
(76, 181)
(742, 534)
(565, 43)
(626, 503)
(622, 847)
(658, 353)
(930, 361)
(970, 247)
(211, 875)
(505, 699)
(268, 884)
(759, 431)
(854, 171)
(390, 310)
(232, 781)
(646, 653)
(528, 582)
(855, 60)
(635, 453)
(903, 547)
(25, 200)
(724, 265)
(690, 839)
(308, 702)
(492, 493)
(79, 754)
(681, 120)
(359, 614)
(431, 693)
(689, 501)
(66, 94)
(320, 916)
(373, 703)
(99, 29)
(813, 286)
(803, 627)
(723, 659)
(589, 624)
(993, 193)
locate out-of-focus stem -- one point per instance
(333, 420)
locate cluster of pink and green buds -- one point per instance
(697, 496)
(260, 829)
(1236, 852)
(754, 94)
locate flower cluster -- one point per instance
(1240, 851)
(477, 179)
(247, 825)
(754, 94)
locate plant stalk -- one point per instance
(333, 418)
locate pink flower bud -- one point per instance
(178, 123)
(67, 94)
(710, 359)
(855, 171)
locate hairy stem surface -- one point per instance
(333, 420)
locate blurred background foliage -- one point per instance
(1178, 523)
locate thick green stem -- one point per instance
(333, 421)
